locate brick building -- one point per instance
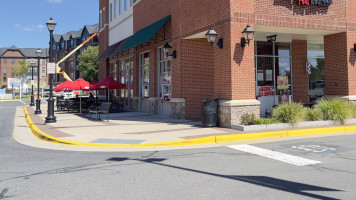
(301, 50)
(66, 43)
(10, 59)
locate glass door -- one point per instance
(126, 77)
(273, 75)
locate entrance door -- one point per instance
(273, 75)
(164, 83)
(126, 77)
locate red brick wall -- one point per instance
(198, 75)
(289, 13)
(299, 74)
(104, 65)
(336, 66)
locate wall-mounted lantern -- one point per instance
(211, 37)
(248, 34)
(167, 49)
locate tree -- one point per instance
(21, 73)
(88, 63)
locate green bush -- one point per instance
(335, 109)
(247, 119)
(314, 115)
(289, 113)
(261, 121)
(352, 109)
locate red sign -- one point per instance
(315, 2)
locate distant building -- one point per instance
(10, 59)
(64, 44)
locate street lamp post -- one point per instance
(32, 99)
(50, 113)
(38, 100)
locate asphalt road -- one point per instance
(214, 173)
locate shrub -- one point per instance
(314, 114)
(289, 113)
(247, 119)
(352, 109)
(335, 109)
(261, 121)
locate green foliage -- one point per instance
(289, 113)
(314, 114)
(335, 109)
(247, 119)
(261, 121)
(88, 63)
(22, 70)
(352, 109)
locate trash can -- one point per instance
(209, 112)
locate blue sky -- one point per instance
(23, 22)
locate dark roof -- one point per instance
(77, 34)
(56, 37)
(92, 28)
(27, 52)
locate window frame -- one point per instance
(141, 68)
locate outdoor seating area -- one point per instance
(88, 104)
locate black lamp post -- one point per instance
(32, 99)
(38, 100)
(50, 112)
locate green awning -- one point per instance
(145, 34)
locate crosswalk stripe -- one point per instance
(295, 160)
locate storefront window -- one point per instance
(273, 69)
(145, 74)
(165, 75)
(126, 77)
(316, 74)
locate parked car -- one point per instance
(47, 91)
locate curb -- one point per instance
(204, 140)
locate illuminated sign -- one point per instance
(315, 2)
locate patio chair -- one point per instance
(103, 109)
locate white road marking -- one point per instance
(22, 102)
(313, 148)
(275, 155)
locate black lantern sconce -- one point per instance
(355, 47)
(211, 37)
(248, 34)
(167, 49)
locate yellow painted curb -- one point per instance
(204, 140)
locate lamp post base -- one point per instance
(50, 117)
(38, 106)
(32, 101)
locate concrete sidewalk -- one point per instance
(134, 131)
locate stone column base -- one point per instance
(177, 108)
(153, 105)
(230, 111)
(135, 104)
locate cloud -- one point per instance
(27, 28)
(55, 1)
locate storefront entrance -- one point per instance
(126, 77)
(273, 74)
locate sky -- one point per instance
(23, 22)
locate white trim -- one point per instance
(248, 102)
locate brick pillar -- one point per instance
(300, 76)
(336, 66)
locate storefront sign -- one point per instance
(265, 90)
(315, 2)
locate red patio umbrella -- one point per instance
(62, 86)
(107, 84)
(79, 84)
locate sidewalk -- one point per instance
(134, 131)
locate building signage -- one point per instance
(315, 2)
